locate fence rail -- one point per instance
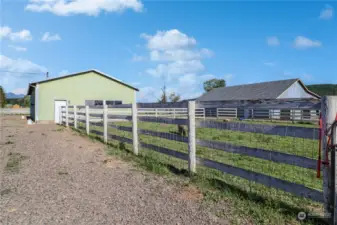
(107, 117)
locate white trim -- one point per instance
(135, 96)
(36, 103)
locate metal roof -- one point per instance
(77, 74)
(256, 91)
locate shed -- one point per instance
(84, 88)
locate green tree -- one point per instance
(165, 98)
(2, 97)
(214, 83)
(174, 97)
(26, 101)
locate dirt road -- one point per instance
(51, 175)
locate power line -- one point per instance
(7, 71)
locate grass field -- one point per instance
(250, 200)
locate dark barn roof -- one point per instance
(264, 90)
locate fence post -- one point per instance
(75, 116)
(156, 113)
(87, 119)
(67, 116)
(134, 128)
(105, 122)
(329, 111)
(191, 137)
(217, 113)
(174, 113)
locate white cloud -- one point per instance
(326, 13)
(273, 41)
(20, 91)
(50, 37)
(180, 54)
(168, 40)
(179, 63)
(21, 66)
(18, 48)
(21, 73)
(176, 68)
(301, 42)
(23, 35)
(87, 7)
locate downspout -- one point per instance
(36, 103)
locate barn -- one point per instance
(84, 88)
(248, 96)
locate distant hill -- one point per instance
(323, 89)
(11, 95)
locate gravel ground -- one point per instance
(64, 178)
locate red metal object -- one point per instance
(319, 161)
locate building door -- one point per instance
(57, 109)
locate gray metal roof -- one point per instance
(265, 90)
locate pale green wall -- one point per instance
(79, 88)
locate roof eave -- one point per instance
(88, 71)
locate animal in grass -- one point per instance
(182, 130)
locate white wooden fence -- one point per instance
(103, 116)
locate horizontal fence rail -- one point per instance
(288, 131)
(296, 189)
(97, 119)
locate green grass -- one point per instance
(260, 204)
(14, 161)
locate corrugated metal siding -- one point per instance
(77, 90)
(295, 91)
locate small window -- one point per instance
(114, 102)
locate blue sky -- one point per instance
(147, 43)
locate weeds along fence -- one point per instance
(276, 163)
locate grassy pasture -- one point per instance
(261, 204)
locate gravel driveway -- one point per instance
(50, 176)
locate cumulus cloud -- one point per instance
(326, 13)
(178, 62)
(18, 48)
(87, 7)
(168, 40)
(21, 66)
(23, 35)
(50, 37)
(273, 41)
(21, 73)
(176, 68)
(301, 42)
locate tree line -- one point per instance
(174, 97)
